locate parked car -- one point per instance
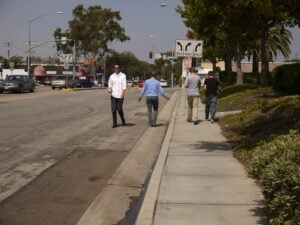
(17, 83)
(163, 83)
(83, 83)
(62, 82)
(141, 84)
(130, 83)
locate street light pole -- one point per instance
(74, 60)
(172, 75)
(29, 38)
(164, 4)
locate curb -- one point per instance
(111, 205)
(146, 213)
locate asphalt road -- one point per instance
(58, 150)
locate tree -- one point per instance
(17, 60)
(225, 26)
(204, 21)
(130, 65)
(238, 24)
(279, 41)
(94, 29)
(4, 62)
(269, 13)
(292, 7)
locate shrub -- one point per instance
(276, 164)
(249, 78)
(286, 78)
(236, 88)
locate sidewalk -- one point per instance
(197, 180)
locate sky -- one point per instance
(149, 26)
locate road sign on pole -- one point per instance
(192, 48)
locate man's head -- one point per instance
(153, 74)
(210, 74)
(193, 70)
(117, 69)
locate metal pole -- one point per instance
(29, 39)
(172, 75)
(29, 49)
(74, 60)
(104, 72)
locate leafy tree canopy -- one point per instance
(93, 29)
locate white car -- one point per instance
(163, 83)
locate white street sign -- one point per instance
(66, 57)
(193, 48)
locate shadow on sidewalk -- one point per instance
(212, 146)
(260, 212)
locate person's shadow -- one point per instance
(160, 125)
(128, 125)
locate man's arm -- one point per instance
(109, 88)
(124, 86)
(205, 86)
(143, 91)
(161, 91)
(219, 87)
(186, 83)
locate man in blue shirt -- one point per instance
(151, 88)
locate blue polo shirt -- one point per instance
(152, 87)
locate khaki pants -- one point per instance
(192, 108)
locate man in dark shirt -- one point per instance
(211, 87)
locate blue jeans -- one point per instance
(210, 106)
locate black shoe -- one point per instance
(114, 126)
(196, 122)
(123, 123)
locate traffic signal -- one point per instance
(150, 55)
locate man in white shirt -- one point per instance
(117, 88)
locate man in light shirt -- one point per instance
(151, 88)
(192, 85)
(117, 88)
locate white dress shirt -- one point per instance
(117, 82)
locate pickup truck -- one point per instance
(62, 82)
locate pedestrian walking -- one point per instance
(152, 88)
(211, 87)
(192, 86)
(117, 88)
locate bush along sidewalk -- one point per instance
(276, 164)
(265, 137)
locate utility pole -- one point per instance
(8, 45)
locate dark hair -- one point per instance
(193, 70)
(153, 74)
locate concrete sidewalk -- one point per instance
(197, 180)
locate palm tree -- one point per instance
(279, 42)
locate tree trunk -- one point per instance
(239, 72)
(228, 64)
(255, 63)
(214, 62)
(93, 72)
(265, 56)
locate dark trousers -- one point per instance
(152, 103)
(117, 105)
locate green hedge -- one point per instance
(276, 164)
(249, 78)
(286, 78)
